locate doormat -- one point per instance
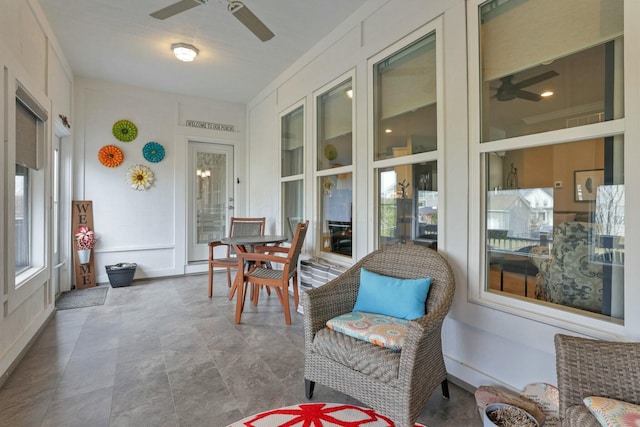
(79, 298)
(318, 415)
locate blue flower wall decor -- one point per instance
(153, 152)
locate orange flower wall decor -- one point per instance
(110, 156)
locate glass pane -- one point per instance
(408, 204)
(292, 208)
(405, 101)
(334, 127)
(336, 198)
(565, 73)
(211, 196)
(292, 140)
(555, 224)
(22, 220)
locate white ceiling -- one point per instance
(117, 41)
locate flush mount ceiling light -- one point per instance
(184, 52)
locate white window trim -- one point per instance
(546, 313)
(299, 177)
(317, 174)
(20, 287)
(434, 26)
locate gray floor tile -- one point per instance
(161, 353)
(89, 409)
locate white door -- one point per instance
(210, 196)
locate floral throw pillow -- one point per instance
(378, 329)
(613, 413)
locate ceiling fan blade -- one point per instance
(176, 8)
(535, 79)
(529, 96)
(249, 20)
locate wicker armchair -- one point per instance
(396, 383)
(594, 368)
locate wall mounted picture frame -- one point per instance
(585, 184)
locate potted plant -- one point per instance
(505, 415)
(85, 240)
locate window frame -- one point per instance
(297, 177)
(20, 287)
(433, 27)
(319, 174)
(563, 317)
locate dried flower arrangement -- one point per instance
(85, 238)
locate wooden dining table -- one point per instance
(243, 244)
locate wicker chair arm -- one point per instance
(328, 301)
(579, 416)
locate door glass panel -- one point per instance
(211, 195)
(408, 204)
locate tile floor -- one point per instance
(161, 353)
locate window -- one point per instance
(554, 201)
(405, 101)
(292, 169)
(408, 204)
(29, 195)
(406, 143)
(23, 220)
(334, 133)
(548, 65)
(334, 127)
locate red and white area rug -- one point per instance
(318, 415)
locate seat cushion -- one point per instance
(378, 329)
(362, 356)
(392, 296)
(613, 413)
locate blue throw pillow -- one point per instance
(401, 298)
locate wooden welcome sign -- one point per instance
(82, 214)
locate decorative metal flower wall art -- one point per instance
(140, 177)
(110, 156)
(153, 152)
(125, 130)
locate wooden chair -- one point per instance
(238, 227)
(262, 274)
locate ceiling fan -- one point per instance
(509, 90)
(237, 9)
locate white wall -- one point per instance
(146, 227)
(484, 343)
(29, 53)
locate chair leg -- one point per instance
(228, 277)
(240, 295)
(445, 389)
(285, 304)
(296, 298)
(210, 281)
(308, 388)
